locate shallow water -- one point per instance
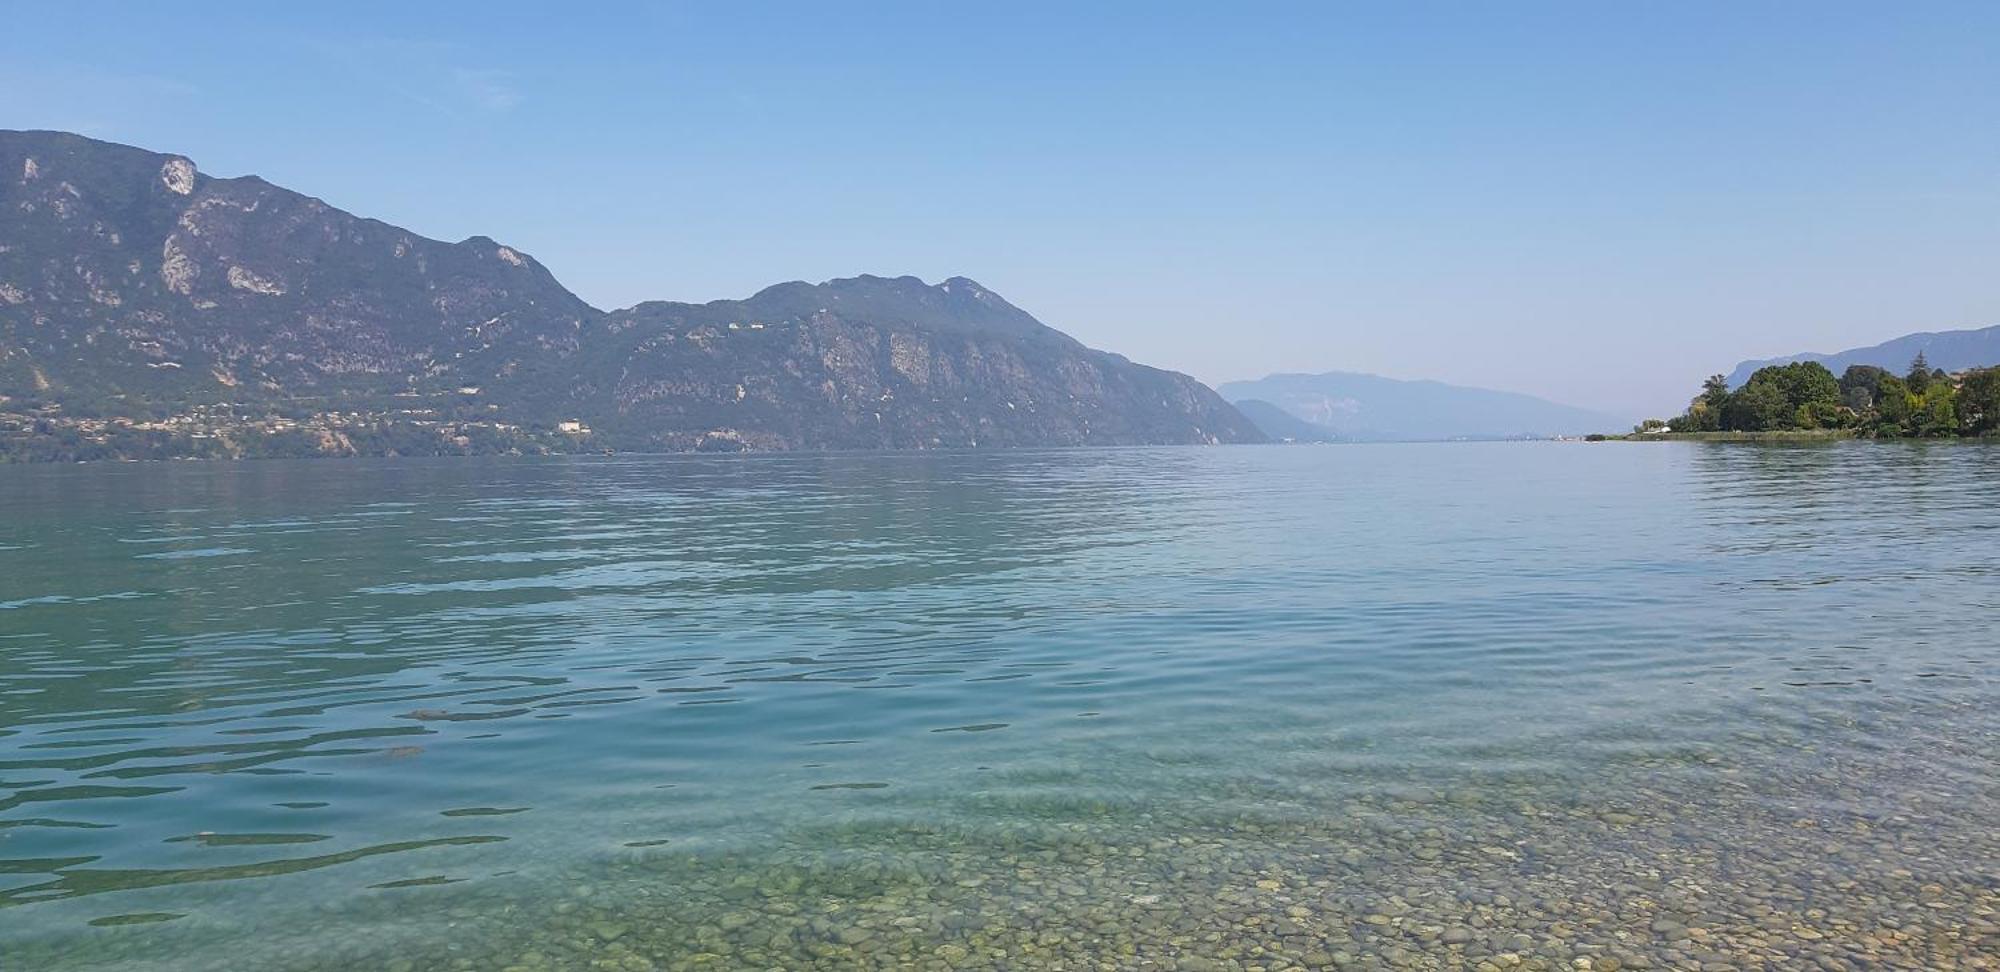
(1367, 707)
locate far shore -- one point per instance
(1780, 435)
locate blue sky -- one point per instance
(1596, 202)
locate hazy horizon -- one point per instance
(1589, 205)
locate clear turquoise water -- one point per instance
(1370, 706)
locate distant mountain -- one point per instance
(1279, 425)
(131, 283)
(1950, 350)
(1371, 408)
(874, 362)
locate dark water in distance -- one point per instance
(1367, 707)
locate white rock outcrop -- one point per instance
(242, 279)
(177, 269)
(178, 176)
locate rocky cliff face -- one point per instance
(872, 362)
(129, 272)
(132, 283)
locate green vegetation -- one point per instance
(1781, 435)
(1804, 397)
(55, 435)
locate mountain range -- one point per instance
(1279, 425)
(133, 284)
(1339, 405)
(1950, 350)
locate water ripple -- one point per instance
(480, 678)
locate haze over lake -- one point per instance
(1361, 706)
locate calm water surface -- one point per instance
(1360, 707)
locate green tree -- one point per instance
(1893, 404)
(1979, 401)
(1919, 378)
(1802, 394)
(1822, 415)
(1704, 413)
(1715, 391)
(1808, 384)
(1759, 406)
(1857, 386)
(1937, 414)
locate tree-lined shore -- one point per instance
(1804, 397)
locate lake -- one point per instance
(1400, 706)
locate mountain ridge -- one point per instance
(1280, 425)
(133, 284)
(1953, 350)
(1355, 406)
